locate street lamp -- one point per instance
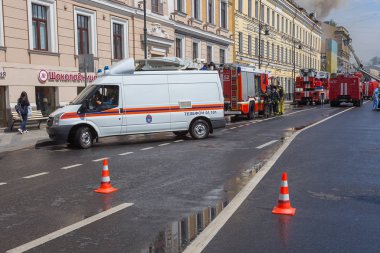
(266, 32)
(145, 34)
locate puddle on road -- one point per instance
(179, 234)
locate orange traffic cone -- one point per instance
(283, 206)
(105, 184)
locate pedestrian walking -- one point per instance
(23, 109)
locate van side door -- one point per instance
(105, 109)
(146, 103)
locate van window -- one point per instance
(104, 98)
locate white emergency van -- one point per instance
(156, 96)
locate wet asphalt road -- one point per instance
(171, 180)
(334, 182)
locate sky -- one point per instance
(362, 20)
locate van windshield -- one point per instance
(86, 93)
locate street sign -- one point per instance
(88, 61)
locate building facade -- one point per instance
(341, 36)
(41, 40)
(277, 36)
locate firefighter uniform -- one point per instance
(282, 100)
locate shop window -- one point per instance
(85, 35)
(42, 22)
(45, 99)
(119, 38)
(104, 98)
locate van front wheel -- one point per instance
(199, 129)
(83, 137)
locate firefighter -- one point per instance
(375, 98)
(268, 102)
(275, 100)
(281, 95)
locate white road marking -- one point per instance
(178, 141)
(247, 124)
(143, 149)
(233, 128)
(68, 229)
(3, 183)
(213, 228)
(224, 130)
(266, 144)
(240, 126)
(36, 175)
(287, 114)
(164, 144)
(71, 166)
(100, 159)
(127, 153)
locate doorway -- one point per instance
(3, 112)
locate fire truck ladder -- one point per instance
(359, 66)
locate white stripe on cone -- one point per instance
(284, 197)
(106, 179)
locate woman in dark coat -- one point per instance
(23, 103)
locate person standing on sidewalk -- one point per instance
(23, 111)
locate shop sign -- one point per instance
(3, 74)
(53, 76)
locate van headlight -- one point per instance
(56, 119)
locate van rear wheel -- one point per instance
(83, 137)
(199, 129)
(180, 133)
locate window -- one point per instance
(278, 22)
(82, 33)
(256, 46)
(272, 52)
(85, 35)
(210, 11)
(209, 54)
(158, 7)
(287, 26)
(268, 16)
(278, 53)
(282, 24)
(178, 48)
(118, 41)
(268, 50)
(262, 13)
(240, 6)
(249, 8)
(282, 54)
(240, 42)
(249, 44)
(273, 19)
(262, 49)
(256, 9)
(286, 55)
(1, 37)
(104, 98)
(40, 39)
(195, 50)
(42, 23)
(222, 56)
(119, 35)
(223, 14)
(180, 5)
(197, 9)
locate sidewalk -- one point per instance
(10, 141)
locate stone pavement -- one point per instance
(10, 141)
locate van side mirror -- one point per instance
(84, 105)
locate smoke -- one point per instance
(322, 7)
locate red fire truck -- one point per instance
(243, 89)
(346, 88)
(368, 88)
(312, 87)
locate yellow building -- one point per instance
(287, 33)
